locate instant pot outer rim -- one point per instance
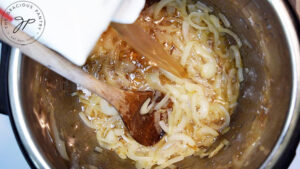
(288, 152)
(283, 160)
(36, 157)
(30, 162)
(6, 53)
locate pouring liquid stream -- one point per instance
(142, 42)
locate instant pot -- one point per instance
(265, 127)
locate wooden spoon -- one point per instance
(128, 103)
(142, 42)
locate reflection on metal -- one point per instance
(19, 115)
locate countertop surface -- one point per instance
(12, 158)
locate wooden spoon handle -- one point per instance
(142, 42)
(60, 65)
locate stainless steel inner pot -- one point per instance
(262, 128)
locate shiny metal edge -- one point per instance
(286, 20)
(17, 110)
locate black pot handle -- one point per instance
(4, 58)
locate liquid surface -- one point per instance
(202, 103)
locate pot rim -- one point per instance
(288, 138)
